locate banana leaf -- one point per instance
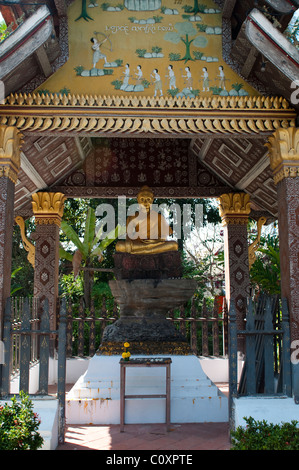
(89, 231)
(71, 234)
(65, 254)
(108, 240)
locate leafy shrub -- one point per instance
(260, 435)
(140, 52)
(79, 69)
(19, 425)
(174, 56)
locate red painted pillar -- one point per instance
(10, 143)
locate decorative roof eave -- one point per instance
(25, 40)
(140, 116)
(272, 44)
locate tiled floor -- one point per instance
(198, 436)
(195, 436)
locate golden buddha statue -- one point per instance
(147, 230)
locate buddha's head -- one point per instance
(145, 197)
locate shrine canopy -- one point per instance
(146, 48)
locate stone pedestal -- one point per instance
(144, 304)
(158, 266)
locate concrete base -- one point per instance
(47, 410)
(274, 410)
(95, 398)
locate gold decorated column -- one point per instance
(48, 211)
(10, 143)
(284, 160)
(234, 210)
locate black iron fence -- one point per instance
(205, 328)
(27, 336)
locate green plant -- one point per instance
(79, 69)
(197, 55)
(173, 92)
(87, 250)
(216, 90)
(140, 52)
(260, 435)
(19, 425)
(237, 86)
(105, 5)
(64, 91)
(145, 83)
(174, 56)
(119, 62)
(117, 84)
(156, 49)
(158, 19)
(202, 27)
(15, 288)
(265, 271)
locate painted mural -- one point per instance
(146, 47)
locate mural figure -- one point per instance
(188, 78)
(157, 82)
(171, 76)
(126, 78)
(139, 75)
(206, 80)
(97, 54)
(221, 78)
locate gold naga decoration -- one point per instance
(284, 153)
(26, 243)
(10, 144)
(234, 208)
(48, 207)
(117, 115)
(253, 247)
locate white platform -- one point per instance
(94, 399)
(273, 409)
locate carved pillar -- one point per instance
(48, 211)
(234, 210)
(284, 160)
(10, 143)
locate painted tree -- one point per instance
(84, 13)
(184, 31)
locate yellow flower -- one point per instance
(126, 355)
(126, 345)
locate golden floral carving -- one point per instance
(26, 243)
(48, 207)
(284, 153)
(253, 247)
(234, 208)
(10, 144)
(117, 115)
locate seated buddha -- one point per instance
(147, 230)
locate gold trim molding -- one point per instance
(48, 207)
(10, 144)
(117, 115)
(234, 208)
(284, 153)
